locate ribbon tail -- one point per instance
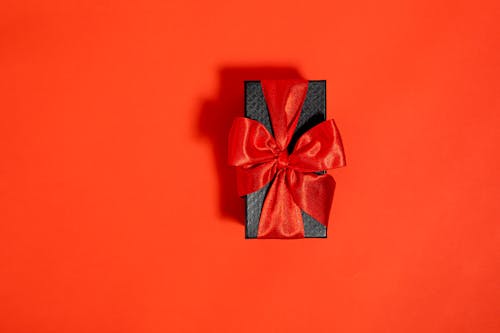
(251, 179)
(280, 216)
(312, 193)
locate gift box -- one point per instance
(281, 150)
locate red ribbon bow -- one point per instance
(261, 158)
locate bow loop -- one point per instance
(250, 143)
(252, 149)
(318, 149)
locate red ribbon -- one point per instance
(261, 158)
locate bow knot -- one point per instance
(282, 160)
(260, 158)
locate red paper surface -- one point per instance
(118, 213)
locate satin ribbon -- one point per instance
(261, 158)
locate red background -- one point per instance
(117, 213)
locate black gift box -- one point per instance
(313, 112)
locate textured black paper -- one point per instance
(313, 112)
